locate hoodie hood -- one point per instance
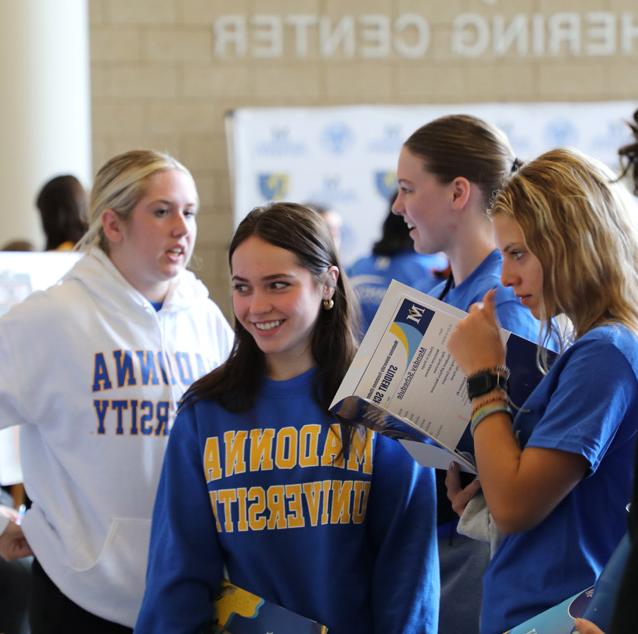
(101, 279)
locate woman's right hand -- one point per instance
(475, 343)
(583, 626)
(13, 544)
(459, 496)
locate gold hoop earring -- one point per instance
(328, 304)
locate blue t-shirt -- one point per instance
(587, 405)
(267, 494)
(371, 276)
(512, 315)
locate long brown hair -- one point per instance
(301, 231)
(62, 204)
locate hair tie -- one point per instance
(516, 164)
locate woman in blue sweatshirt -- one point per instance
(261, 484)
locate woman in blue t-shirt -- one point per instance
(448, 171)
(625, 617)
(557, 475)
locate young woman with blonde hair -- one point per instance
(625, 616)
(557, 475)
(92, 370)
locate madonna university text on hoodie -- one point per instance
(93, 374)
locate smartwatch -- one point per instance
(485, 381)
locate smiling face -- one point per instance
(425, 204)
(156, 242)
(277, 301)
(522, 270)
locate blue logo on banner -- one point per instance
(390, 142)
(280, 144)
(331, 192)
(561, 132)
(386, 183)
(273, 185)
(337, 138)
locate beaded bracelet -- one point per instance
(483, 412)
(501, 398)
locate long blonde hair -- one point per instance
(583, 228)
(119, 185)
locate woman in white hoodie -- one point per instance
(92, 369)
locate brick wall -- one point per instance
(157, 83)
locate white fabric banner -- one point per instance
(345, 157)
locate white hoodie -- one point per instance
(93, 373)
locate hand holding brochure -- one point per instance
(596, 604)
(241, 612)
(558, 619)
(404, 383)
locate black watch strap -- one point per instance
(485, 381)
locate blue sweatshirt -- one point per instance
(370, 277)
(267, 495)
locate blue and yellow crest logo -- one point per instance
(386, 183)
(273, 185)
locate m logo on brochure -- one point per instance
(273, 185)
(386, 183)
(410, 324)
(415, 313)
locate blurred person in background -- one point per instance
(62, 203)
(393, 258)
(332, 218)
(18, 245)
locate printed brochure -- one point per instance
(404, 383)
(559, 619)
(241, 612)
